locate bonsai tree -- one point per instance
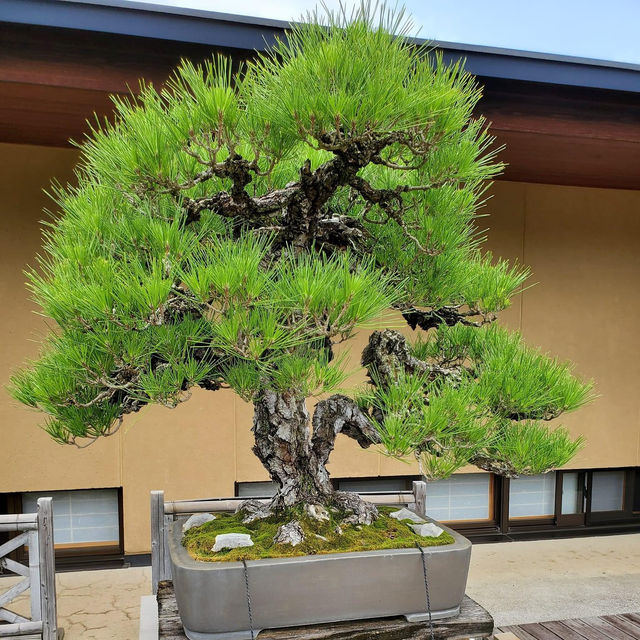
(229, 230)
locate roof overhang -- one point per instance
(129, 18)
(563, 120)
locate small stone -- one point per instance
(407, 514)
(338, 530)
(196, 520)
(253, 510)
(290, 533)
(358, 528)
(317, 512)
(427, 530)
(232, 541)
(317, 535)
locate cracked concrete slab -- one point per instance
(517, 582)
(95, 605)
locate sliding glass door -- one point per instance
(593, 497)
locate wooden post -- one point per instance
(34, 575)
(157, 539)
(47, 569)
(166, 563)
(420, 495)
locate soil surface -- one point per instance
(319, 536)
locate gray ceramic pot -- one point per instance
(289, 592)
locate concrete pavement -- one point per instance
(517, 582)
(521, 582)
(95, 605)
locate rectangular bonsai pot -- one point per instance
(289, 592)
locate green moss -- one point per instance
(384, 533)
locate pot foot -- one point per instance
(226, 635)
(435, 615)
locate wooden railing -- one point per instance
(163, 513)
(36, 531)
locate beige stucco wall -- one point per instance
(582, 247)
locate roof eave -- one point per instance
(243, 32)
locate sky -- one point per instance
(599, 29)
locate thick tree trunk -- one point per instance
(296, 459)
(283, 444)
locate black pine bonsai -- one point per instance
(228, 231)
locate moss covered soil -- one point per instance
(320, 537)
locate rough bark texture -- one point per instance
(387, 355)
(296, 459)
(283, 444)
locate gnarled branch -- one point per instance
(449, 315)
(388, 355)
(340, 414)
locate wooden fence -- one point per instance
(163, 513)
(36, 531)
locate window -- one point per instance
(571, 493)
(607, 491)
(636, 492)
(465, 496)
(375, 485)
(255, 489)
(81, 518)
(532, 496)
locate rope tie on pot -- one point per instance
(246, 586)
(426, 589)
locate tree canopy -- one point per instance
(231, 227)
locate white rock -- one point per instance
(317, 535)
(407, 514)
(317, 512)
(427, 530)
(290, 533)
(232, 541)
(196, 520)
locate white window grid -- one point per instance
(81, 516)
(532, 496)
(464, 496)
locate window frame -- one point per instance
(519, 523)
(571, 519)
(68, 555)
(490, 523)
(619, 515)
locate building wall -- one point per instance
(580, 243)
